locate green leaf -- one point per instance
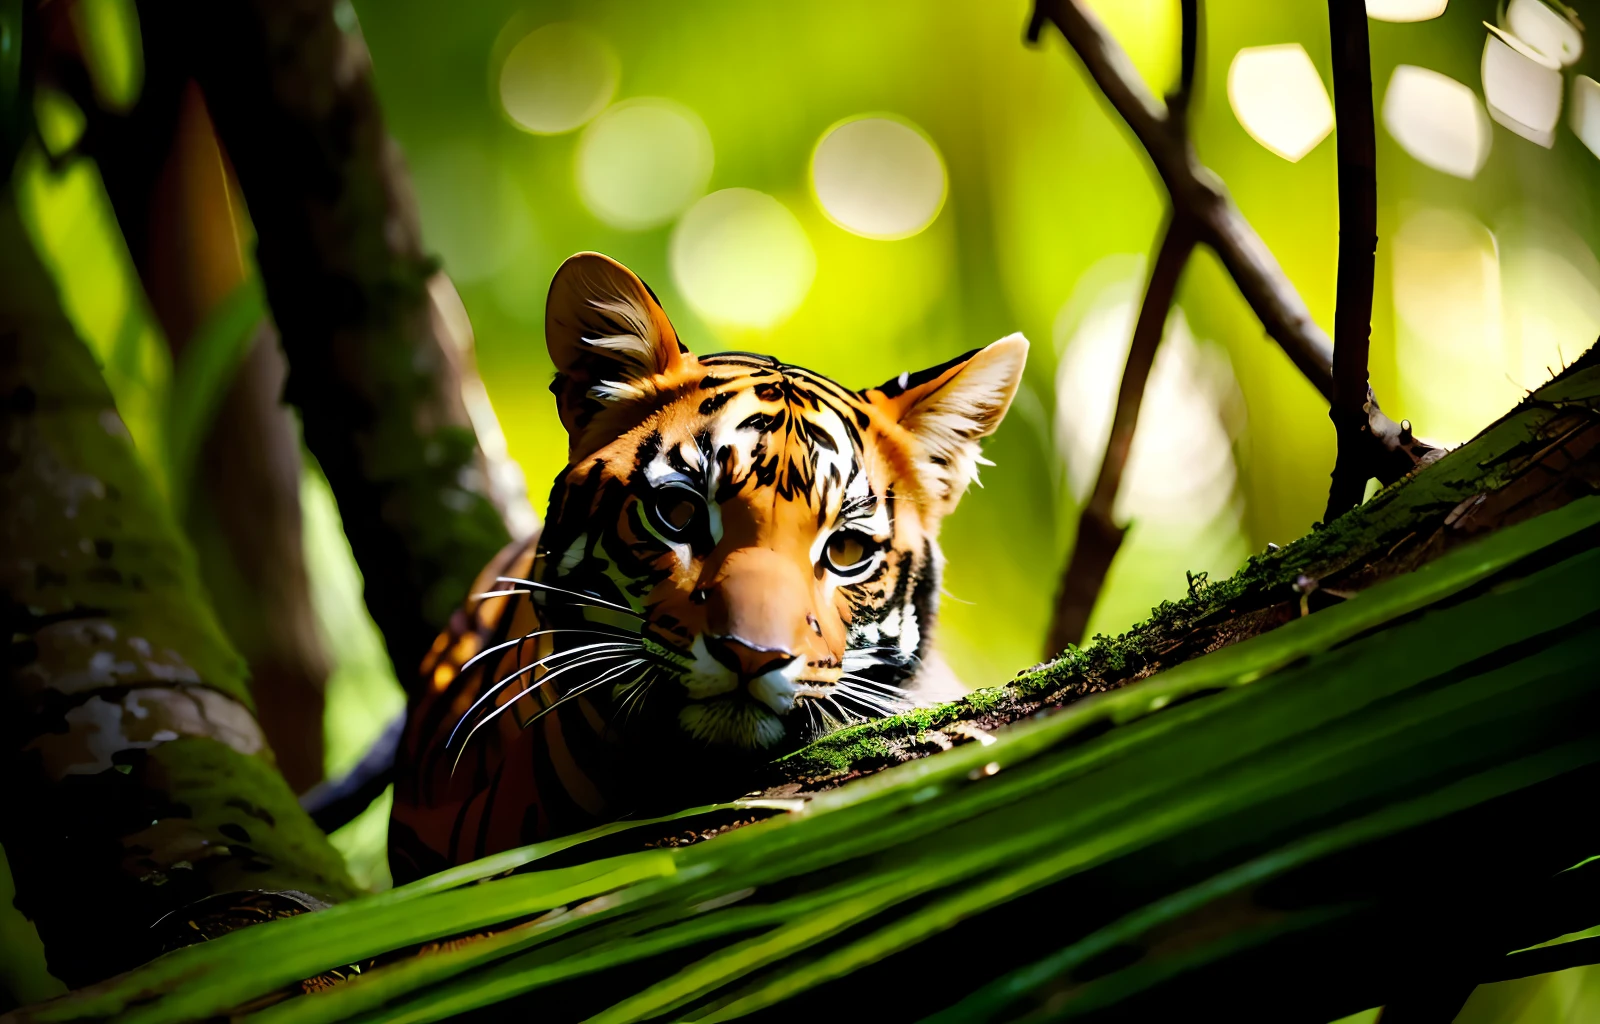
(1174, 809)
(203, 375)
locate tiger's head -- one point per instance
(757, 544)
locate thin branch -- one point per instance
(1189, 52)
(1099, 537)
(1200, 194)
(1358, 243)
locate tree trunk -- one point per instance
(375, 369)
(137, 781)
(235, 458)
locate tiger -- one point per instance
(739, 556)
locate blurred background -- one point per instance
(870, 188)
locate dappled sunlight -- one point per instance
(1181, 467)
(1279, 98)
(1437, 120)
(74, 228)
(1551, 281)
(1179, 490)
(1149, 30)
(1521, 86)
(642, 162)
(556, 78)
(742, 259)
(873, 309)
(1585, 114)
(1405, 10)
(878, 177)
(1450, 345)
(1544, 29)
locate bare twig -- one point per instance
(1199, 194)
(1358, 244)
(1099, 537)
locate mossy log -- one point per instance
(1539, 456)
(136, 780)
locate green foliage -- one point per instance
(1254, 810)
(201, 378)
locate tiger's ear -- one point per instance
(607, 335)
(947, 408)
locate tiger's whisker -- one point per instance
(892, 695)
(577, 692)
(497, 712)
(849, 719)
(900, 701)
(497, 687)
(599, 602)
(529, 636)
(868, 699)
(633, 699)
(877, 684)
(501, 684)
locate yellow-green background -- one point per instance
(1044, 185)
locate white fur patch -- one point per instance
(707, 676)
(776, 688)
(736, 723)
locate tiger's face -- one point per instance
(744, 552)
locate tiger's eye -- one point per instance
(847, 551)
(678, 513)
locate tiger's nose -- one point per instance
(759, 615)
(745, 659)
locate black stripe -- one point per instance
(893, 387)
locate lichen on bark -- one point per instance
(137, 780)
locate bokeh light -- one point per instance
(1279, 98)
(1521, 86)
(557, 78)
(1437, 120)
(1179, 489)
(642, 163)
(1405, 10)
(473, 213)
(1551, 285)
(742, 259)
(1551, 33)
(1181, 466)
(878, 177)
(1150, 31)
(1585, 115)
(1449, 341)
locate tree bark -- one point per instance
(373, 368)
(1350, 406)
(236, 482)
(137, 780)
